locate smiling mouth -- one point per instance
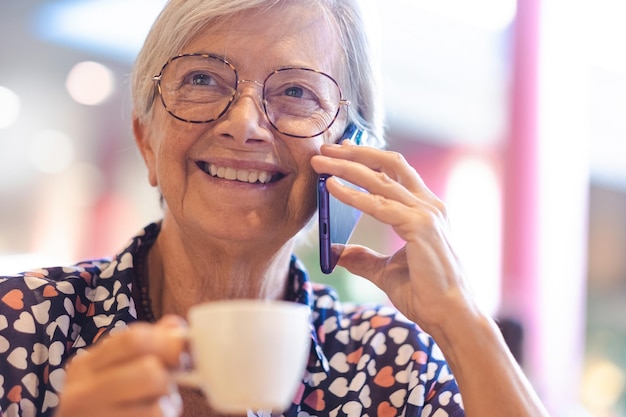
(250, 176)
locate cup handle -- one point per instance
(187, 375)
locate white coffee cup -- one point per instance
(248, 354)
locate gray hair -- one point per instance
(181, 20)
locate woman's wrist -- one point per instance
(466, 334)
(489, 378)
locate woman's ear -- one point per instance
(144, 143)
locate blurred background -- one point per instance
(513, 112)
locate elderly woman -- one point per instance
(238, 107)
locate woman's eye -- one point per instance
(199, 78)
(296, 92)
(202, 79)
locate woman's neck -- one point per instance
(182, 274)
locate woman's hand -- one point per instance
(424, 279)
(127, 374)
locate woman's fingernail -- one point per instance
(185, 361)
(173, 321)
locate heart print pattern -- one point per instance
(365, 360)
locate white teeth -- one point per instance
(231, 174)
(243, 175)
(253, 177)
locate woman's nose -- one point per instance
(245, 119)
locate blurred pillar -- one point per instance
(520, 194)
(564, 189)
(545, 198)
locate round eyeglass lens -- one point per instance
(197, 88)
(301, 102)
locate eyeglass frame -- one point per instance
(157, 80)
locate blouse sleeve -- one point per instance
(40, 319)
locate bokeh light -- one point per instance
(603, 385)
(10, 105)
(474, 204)
(51, 151)
(90, 83)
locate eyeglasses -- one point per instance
(298, 102)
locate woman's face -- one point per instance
(182, 158)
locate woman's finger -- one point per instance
(164, 340)
(142, 378)
(382, 173)
(362, 261)
(375, 182)
(391, 163)
(87, 407)
(409, 222)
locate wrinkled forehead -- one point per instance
(265, 39)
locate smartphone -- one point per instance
(336, 219)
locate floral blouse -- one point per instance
(364, 361)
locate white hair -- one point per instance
(181, 20)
